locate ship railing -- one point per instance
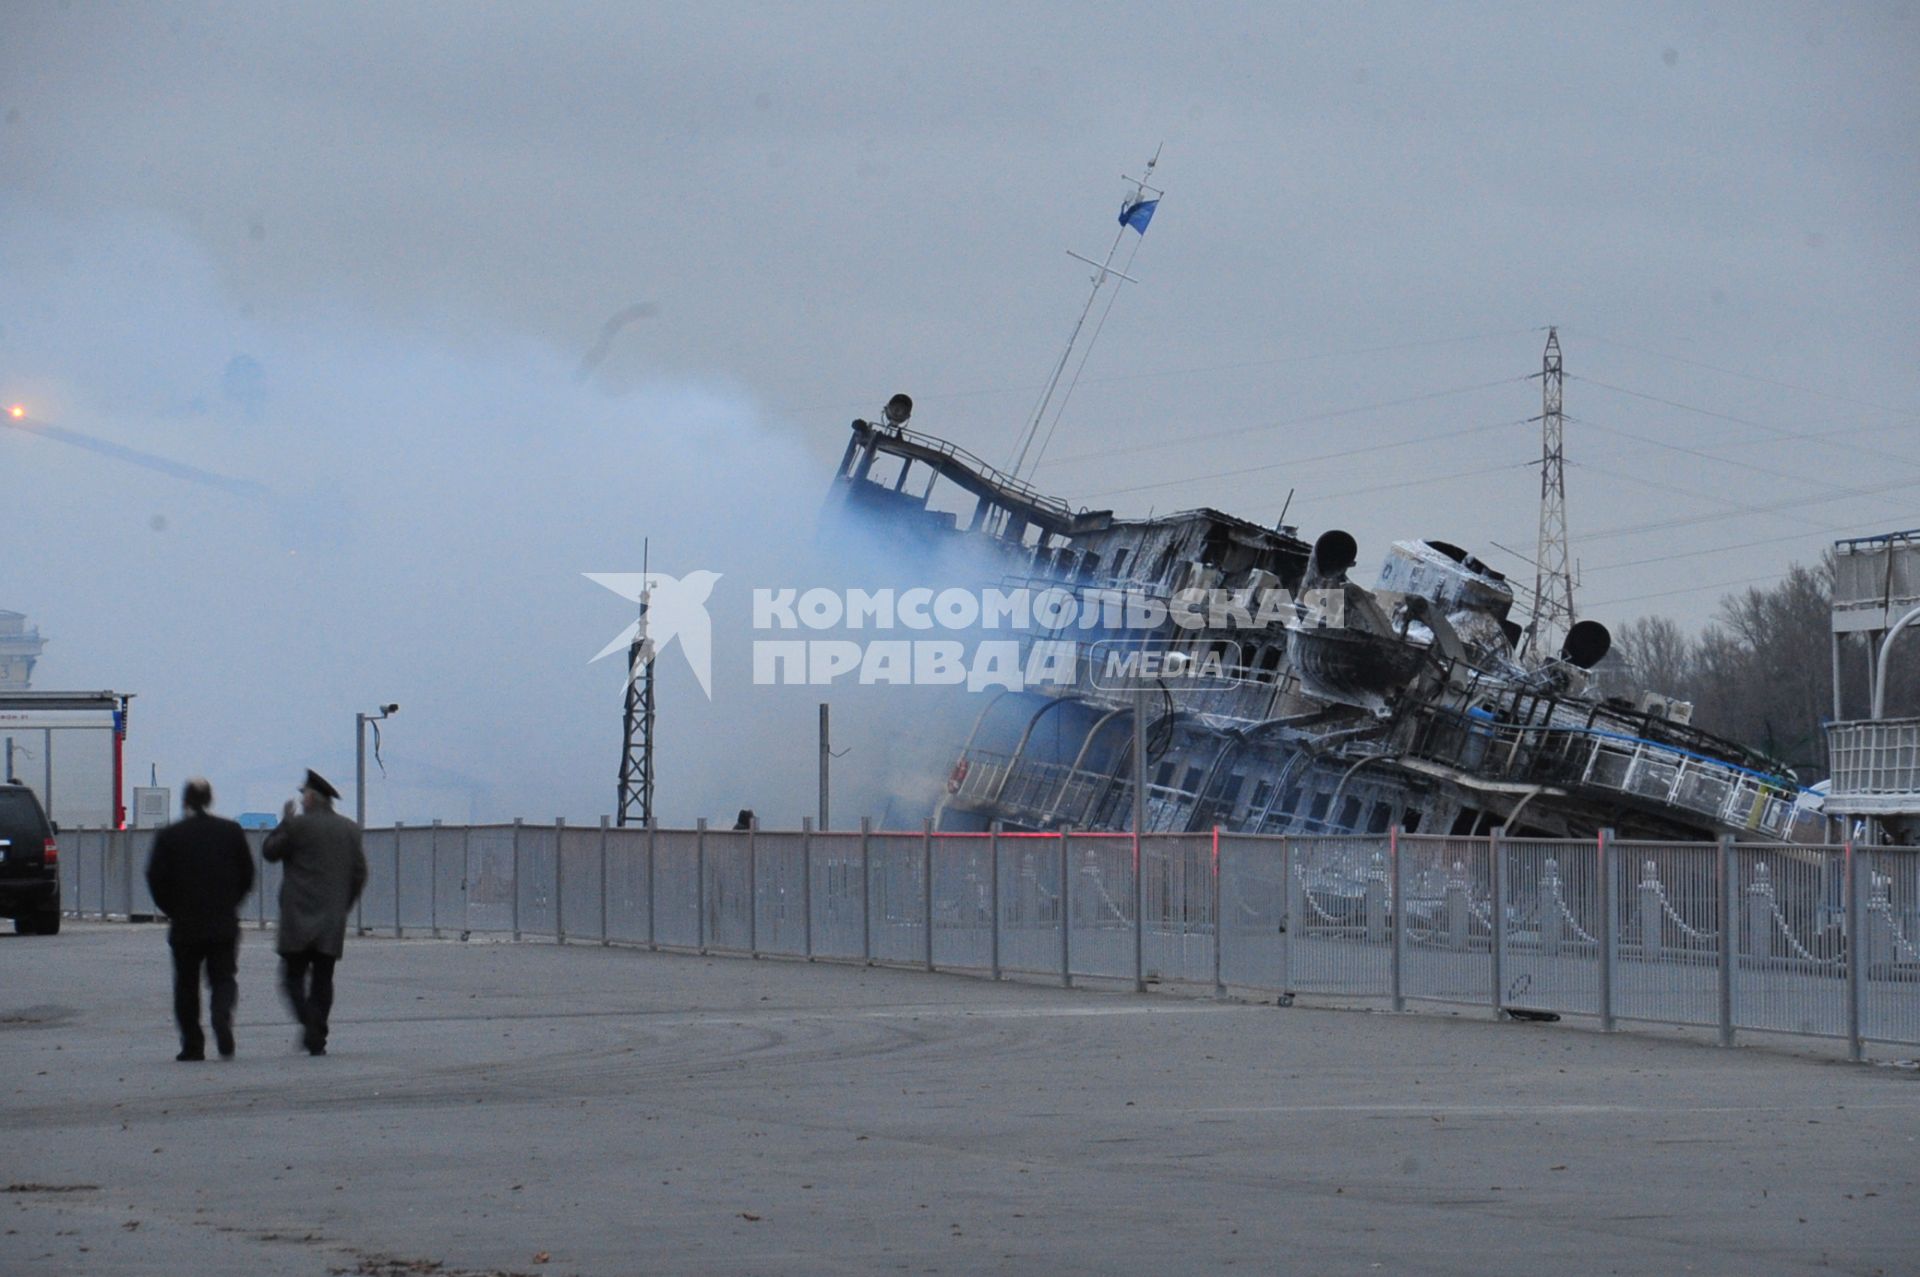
(991, 475)
(1875, 765)
(1653, 772)
(1032, 791)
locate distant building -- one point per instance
(20, 648)
(1875, 759)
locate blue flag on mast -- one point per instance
(1137, 213)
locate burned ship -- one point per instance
(1413, 702)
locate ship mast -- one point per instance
(1136, 212)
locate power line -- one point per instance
(1741, 545)
(842, 405)
(1368, 449)
(1692, 589)
(1695, 520)
(1422, 482)
(1705, 455)
(1734, 372)
(1781, 434)
(1330, 415)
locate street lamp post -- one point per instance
(360, 722)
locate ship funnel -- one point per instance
(1333, 554)
(1588, 643)
(898, 409)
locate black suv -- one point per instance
(29, 863)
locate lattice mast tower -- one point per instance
(1553, 579)
(635, 800)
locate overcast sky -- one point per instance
(348, 260)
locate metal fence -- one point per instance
(1815, 940)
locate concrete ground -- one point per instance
(492, 1108)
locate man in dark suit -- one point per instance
(324, 870)
(200, 870)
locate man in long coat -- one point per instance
(324, 869)
(200, 870)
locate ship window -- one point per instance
(1089, 566)
(1191, 784)
(1464, 822)
(1291, 803)
(1350, 814)
(1230, 797)
(1262, 792)
(1120, 562)
(1318, 812)
(1379, 818)
(1270, 658)
(1410, 820)
(1164, 777)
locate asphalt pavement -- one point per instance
(493, 1108)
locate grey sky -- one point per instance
(416, 219)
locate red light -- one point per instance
(51, 852)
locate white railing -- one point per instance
(1875, 765)
(1797, 939)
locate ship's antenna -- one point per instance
(1553, 612)
(1135, 213)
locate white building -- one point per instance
(20, 648)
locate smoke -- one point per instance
(407, 520)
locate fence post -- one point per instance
(1729, 922)
(397, 827)
(1856, 956)
(866, 890)
(605, 821)
(1378, 876)
(1457, 902)
(700, 884)
(1139, 911)
(653, 876)
(433, 876)
(1290, 917)
(1397, 917)
(926, 891)
(806, 886)
(1066, 908)
(516, 877)
(1497, 852)
(466, 867)
(259, 893)
(993, 899)
(1609, 928)
(753, 888)
(1219, 921)
(1647, 913)
(105, 840)
(559, 880)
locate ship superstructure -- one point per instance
(1402, 699)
